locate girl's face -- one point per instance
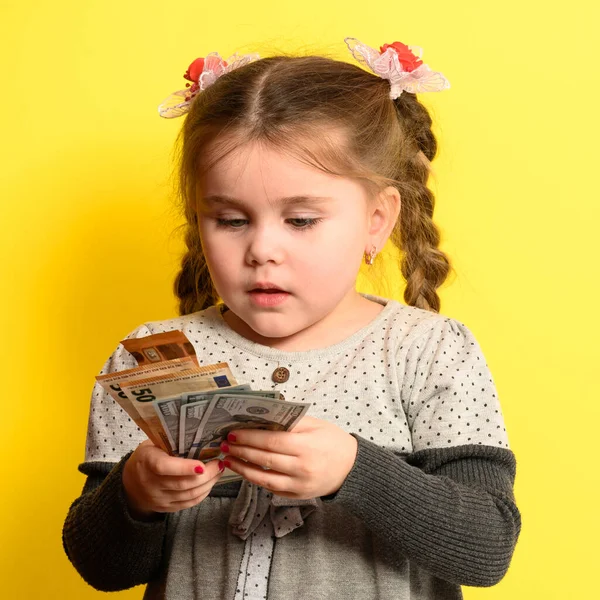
(267, 219)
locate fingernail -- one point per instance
(224, 447)
(231, 437)
(221, 466)
(199, 469)
(227, 464)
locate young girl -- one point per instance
(398, 484)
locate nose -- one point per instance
(265, 244)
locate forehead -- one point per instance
(254, 171)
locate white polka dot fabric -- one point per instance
(408, 381)
(449, 394)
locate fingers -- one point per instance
(155, 481)
(174, 483)
(282, 463)
(162, 464)
(280, 442)
(179, 500)
(270, 480)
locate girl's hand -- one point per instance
(156, 482)
(310, 461)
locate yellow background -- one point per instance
(88, 252)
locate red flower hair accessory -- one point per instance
(398, 63)
(202, 72)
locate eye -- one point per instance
(230, 223)
(304, 223)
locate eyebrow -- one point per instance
(229, 201)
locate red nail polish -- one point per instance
(231, 437)
(227, 464)
(221, 466)
(199, 469)
(224, 447)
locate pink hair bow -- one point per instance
(203, 72)
(397, 63)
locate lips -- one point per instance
(266, 288)
(266, 296)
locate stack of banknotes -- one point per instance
(187, 409)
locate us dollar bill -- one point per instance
(192, 415)
(167, 411)
(227, 412)
(172, 415)
(187, 431)
(190, 448)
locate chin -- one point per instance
(266, 328)
(270, 332)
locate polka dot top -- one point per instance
(409, 380)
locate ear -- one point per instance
(382, 216)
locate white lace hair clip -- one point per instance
(398, 63)
(203, 72)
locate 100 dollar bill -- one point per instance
(229, 412)
(192, 448)
(189, 427)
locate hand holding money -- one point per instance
(187, 410)
(311, 461)
(155, 482)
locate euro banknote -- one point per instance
(111, 384)
(160, 347)
(143, 392)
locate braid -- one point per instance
(423, 265)
(193, 285)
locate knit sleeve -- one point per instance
(109, 548)
(449, 505)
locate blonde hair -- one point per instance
(331, 115)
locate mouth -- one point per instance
(268, 295)
(267, 288)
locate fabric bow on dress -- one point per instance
(255, 504)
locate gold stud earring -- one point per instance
(369, 258)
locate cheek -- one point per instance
(345, 241)
(336, 255)
(214, 247)
(219, 260)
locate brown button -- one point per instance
(280, 375)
